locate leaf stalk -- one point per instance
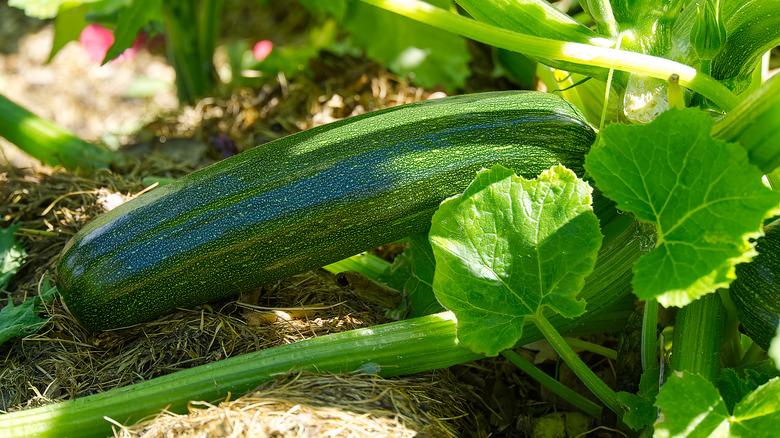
(578, 53)
(606, 394)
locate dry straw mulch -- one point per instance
(325, 405)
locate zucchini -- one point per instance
(756, 291)
(304, 201)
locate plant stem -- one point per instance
(697, 337)
(650, 335)
(601, 11)
(49, 142)
(195, 73)
(674, 93)
(591, 380)
(396, 348)
(751, 355)
(583, 54)
(592, 348)
(731, 351)
(553, 385)
(367, 264)
(755, 124)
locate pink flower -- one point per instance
(262, 49)
(96, 40)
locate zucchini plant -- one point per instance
(664, 206)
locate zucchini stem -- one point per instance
(553, 385)
(697, 337)
(606, 394)
(578, 53)
(650, 335)
(367, 264)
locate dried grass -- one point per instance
(325, 405)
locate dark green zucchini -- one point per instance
(304, 201)
(756, 291)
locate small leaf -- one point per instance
(639, 413)
(704, 198)
(68, 24)
(11, 255)
(733, 387)
(412, 271)
(758, 414)
(23, 319)
(507, 247)
(690, 407)
(639, 410)
(131, 19)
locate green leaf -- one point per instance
(690, 407)
(23, 319)
(131, 19)
(638, 412)
(507, 247)
(733, 387)
(11, 255)
(701, 194)
(758, 414)
(429, 55)
(68, 24)
(419, 287)
(412, 271)
(639, 407)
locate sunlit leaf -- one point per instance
(704, 198)
(690, 407)
(507, 247)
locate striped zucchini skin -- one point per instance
(304, 201)
(756, 291)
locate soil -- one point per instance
(63, 361)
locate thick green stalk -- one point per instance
(650, 335)
(601, 350)
(698, 331)
(49, 142)
(585, 54)
(367, 264)
(601, 11)
(538, 18)
(753, 28)
(755, 124)
(187, 33)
